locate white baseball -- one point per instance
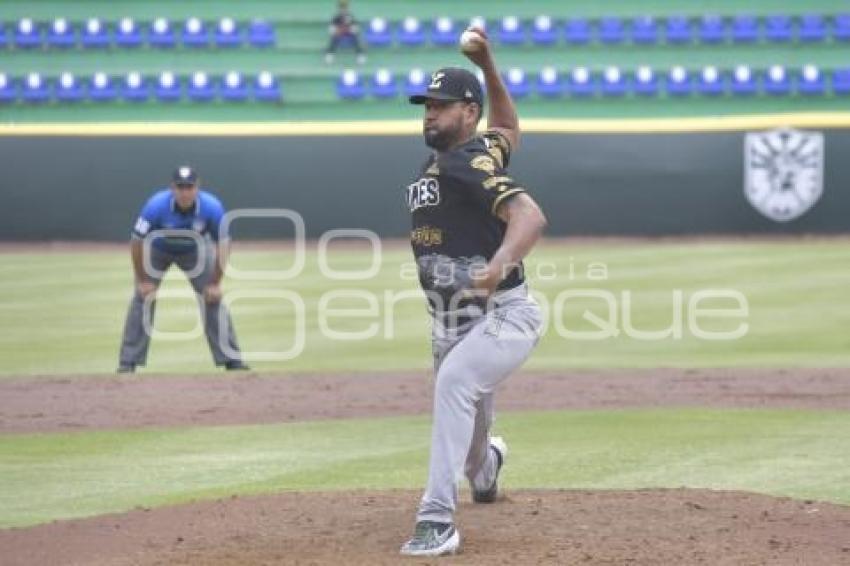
(469, 40)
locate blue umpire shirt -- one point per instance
(161, 213)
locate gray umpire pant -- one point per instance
(470, 361)
(136, 340)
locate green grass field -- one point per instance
(63, 312)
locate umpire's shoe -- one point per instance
(500, 449)
(126, 368)
(236, 365)
(432, 539)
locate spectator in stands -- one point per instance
(344, 31)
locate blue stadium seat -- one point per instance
(416, 82)
(128, 34)
(383, 84)
(95, 34)
(233, 87)
(543, 31)
(60, 34)
(35, 89)
(581, 82)
(777, 28)
(743, 81)
(611, 30)
(777, 81)
(711, 81)
(840, 81)
(168, 87)
(350, 86)
(7, 89)
(68, 88)
(478, 22)
(411, 32)
(378, 33)
(160, 34)
(27, 33)
(644, 30)
(135, 87)
(678, 30)
(577, 31)
(227, 33)
(511, 31)
(678, 81)
(517, 83)
(261, 34)
(646, 82)
(443, 32)
(811, 81)
(549, 83)
(745, 29)
(712, 29)
(201, 87)
(101, 88)
(614, 82)
(267, 88)
(195, 33)
(842, 27)
(812, 28)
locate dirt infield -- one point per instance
(681, 526)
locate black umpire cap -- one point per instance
(185, 175)
(452, 83)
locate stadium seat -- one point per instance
(411, 32)
(611, 30)
(135, 87)
(614, 82)
(511, 31)
(416, 82)
(840, 81)
(101, 88)
(644, 30)
(678, 30)
(168, 88)
(581, 82)
(7, 88)
(443, 32)
(4, 37)
(160, 34)
(127, 34)
(267, 88)
(60, 34)
(811, 81)
(349, 86)
(27, 34)
(67, 88)
(35, 89)
(517, 82)
(549, 83)
(543, 31)
(842, 27)
(645, 83)
(233, 88)
(201, 87)
(95, 34)
(378, 33)
(776, 81)
(777, 28)
(710, 81)
(195, 33)
(577, 31)
(745, 29)
(227, 33)
(383, 84)
(712, 29)
(477, 22)
(812, 28)
(743, 81)
(678, 81)
(261, 34)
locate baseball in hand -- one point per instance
(470, 41)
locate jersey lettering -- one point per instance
(424, 192)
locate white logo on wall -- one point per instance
(783, 172)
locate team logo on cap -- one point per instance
(436, 80)
(185, 172)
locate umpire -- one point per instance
(181, 208)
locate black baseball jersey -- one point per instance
(454, 202)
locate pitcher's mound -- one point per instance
(682, 526)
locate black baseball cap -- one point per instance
(452, 83)
(185, 175)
